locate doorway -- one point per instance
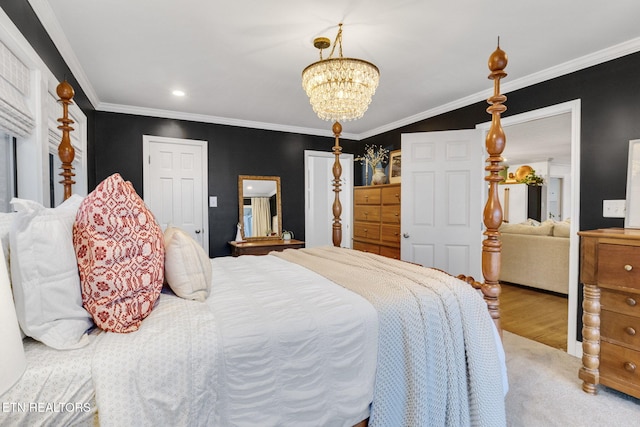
(174, 184)
(573, 200)
(319, 197)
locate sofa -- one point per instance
(536, 255)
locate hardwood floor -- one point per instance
(537, 315)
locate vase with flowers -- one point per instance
(374, 156)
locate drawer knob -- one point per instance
(631, 302)
(630, 366)
(629, 330)
(628, 267)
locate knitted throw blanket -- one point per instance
(437, 359)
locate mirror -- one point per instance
(260, 208)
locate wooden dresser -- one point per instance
(610, 272)
(376, 219)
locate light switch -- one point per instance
(213, 201)
(613, 208)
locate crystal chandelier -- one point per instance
(339, 89)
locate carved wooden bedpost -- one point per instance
(495, 143)
(337, 173)
(66, 151)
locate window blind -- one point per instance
(15, 115)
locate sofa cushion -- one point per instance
(562, 229)
(544, 229)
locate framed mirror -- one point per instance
(259, 207)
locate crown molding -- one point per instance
(202, 118)
(52, 26)
(595, 58)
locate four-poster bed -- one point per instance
(492, 216)
(325, 336)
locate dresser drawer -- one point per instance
(366, 247)
(391, 195)
(390, 233)
(620, 328)
(366, 230)
(366, 213)
(619, 364)
(367, 196)
(390, 252)
(620, 302)
(391, 214)
(619, 266)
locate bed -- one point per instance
(324, 336)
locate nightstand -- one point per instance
(263, 247)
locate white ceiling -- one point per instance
(541, 140)
(240, 62)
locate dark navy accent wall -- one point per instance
(232, 151)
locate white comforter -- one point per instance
(278, 346)
(275, 344)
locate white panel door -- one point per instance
(442, 192)
(175, 185)
(319, 197)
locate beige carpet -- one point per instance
(544, 390)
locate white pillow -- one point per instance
(5, 224)
(12, 359)
(44, 274)
(187, 267)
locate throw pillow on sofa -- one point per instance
(562, 229)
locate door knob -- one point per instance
(197, 231)
(405, 235)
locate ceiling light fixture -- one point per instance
(178, 93)
(339, 89)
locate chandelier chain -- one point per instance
(337, 41)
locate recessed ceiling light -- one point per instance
(178, 93)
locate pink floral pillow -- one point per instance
(120, 252)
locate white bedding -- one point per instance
(277, 346)
(55, 390)
(280, 346)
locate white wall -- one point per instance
(548, 170)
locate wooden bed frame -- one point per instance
(495, 143)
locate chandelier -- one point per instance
(339, 89)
